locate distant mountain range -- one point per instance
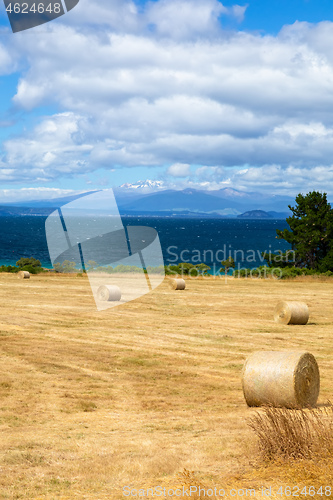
(143, 199)
(149, 198)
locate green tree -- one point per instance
(66, 267)
(279, 259)
(227, 264)
(311, 231)
(28, 261)
(185, 268)
(172, 270)
(91, 265)
(59, 268)
(69, 266)
(202, 268)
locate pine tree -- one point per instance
(311, 231)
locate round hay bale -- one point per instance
(287, 379)
(291, 313)
(24, 275)
(108, 293)
(178, 284)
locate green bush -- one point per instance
(30, 264)
(127, 269)
(186, 269)
(32, 269)
(155, 270)
(28, 261)
(292, 272)
(9, 269)
(171, 270)
(66, 267)
(203, 269)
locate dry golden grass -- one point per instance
(294, 434)
(143, 393)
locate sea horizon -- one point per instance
(194, 240)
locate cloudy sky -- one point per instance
(189, 92)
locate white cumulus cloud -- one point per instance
(165, 85)
(179, 170)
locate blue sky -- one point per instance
(196, 93)
(270, 16)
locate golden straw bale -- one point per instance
(291, 313)
(287, 379)
(108, 293)
(178, 284)
(23, 275)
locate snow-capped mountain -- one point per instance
(147, 184)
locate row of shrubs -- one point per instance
(34, 267)
(30, 264)
(292, 272)
(183, 269)
(70, 267)
(187, 269)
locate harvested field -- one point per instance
(93, 401)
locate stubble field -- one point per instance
(147, 393)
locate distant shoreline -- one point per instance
(154, 216)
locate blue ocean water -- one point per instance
(182, 240)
